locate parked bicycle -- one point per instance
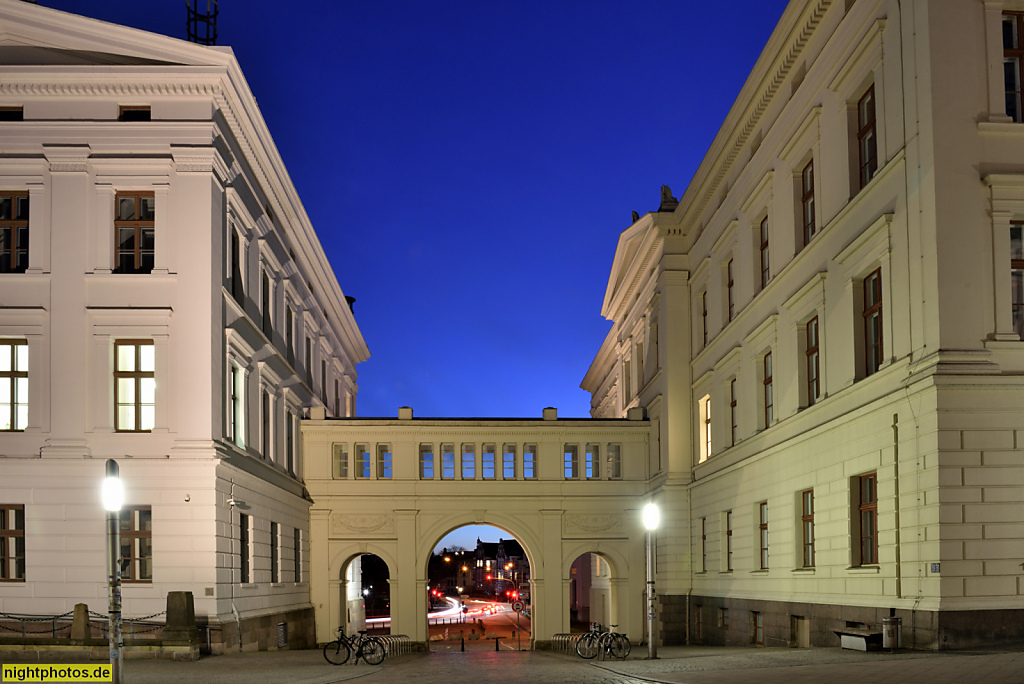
(369, 648)
(598, 641)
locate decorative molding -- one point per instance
(593, 522)
(67, 158)
(376, 524)
(79, 88)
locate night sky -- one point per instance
(469, 166)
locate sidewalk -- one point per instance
(676, 665)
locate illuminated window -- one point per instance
(136, 544)
(134, 232)
(12, 543)
(13, 384)
(134, 385)
(13, 232)
(704, 417)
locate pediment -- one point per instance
(631, 254)
(38, 55)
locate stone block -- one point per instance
(991, 475)
(990, 586)
(988, 439)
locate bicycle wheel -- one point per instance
(337, 652)
(619, 646)
(586, 646)
(373, 652)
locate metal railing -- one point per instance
(29, 626)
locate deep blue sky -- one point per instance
(469, 166)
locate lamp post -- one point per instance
(651, 518)
(113, 497)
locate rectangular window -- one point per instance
(529, 461)
(508, 461)
(614, 462)
(762, 531)
(289, 441)
(447, 461)
(426, 462)
(592, 462)
(766, 273)
(723, 618)
(733, 413)
(337, 397)
(308, 361)
(699, 620)
(728, 541)
(237, 290)
(704, 317)
(275, 546)
(362, 462)
(244, 552)
(1013, 53)
(729, 290)
(704, 410)
(807, 526)
(813, 386)
(13, 232)
(468, 461)
(297, 555)
(769, 391)
(237, 415)
(807, 202)
(873, 322)
(289, 334)
(488, 463)
(384, 462)
(12, 543)
(136, 544)
(12, 113)
(867, 516)
(340, 459)
(13, 384)
(627, 374)
(572, 462)
(265, 424)
(134, 232)
(867, 144)
(323, 381)
(703, 544)
(134, 385)
(268, 324)
(134, 113)
(757, 620)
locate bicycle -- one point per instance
(597, 641)
(369, 648)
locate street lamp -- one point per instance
(112, 494)
(651, 518)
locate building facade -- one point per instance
(825, 330)
(164, 301)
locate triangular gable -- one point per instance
(632, 247)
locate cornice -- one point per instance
(79, 88)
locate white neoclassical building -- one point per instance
(164, 301)
(826, 332)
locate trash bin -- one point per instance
(892, 632)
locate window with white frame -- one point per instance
(873, 322)
(766, 268)
(867, 141)
(614, 462)
(572, 462)
(704, 418)
(592, 462)
(362, 454)
(244, 548)
(340, 461)
(136, 541)
(12, 542)
(468, 461)
(13, 232)
(769, 390)
(426, 461)
(134, 232)
(1013, 54)
(236, 414)
(488, 462)
(813, 360)
(762, 533)
(447, 461)
(529, 461)
(508, 461)
(807, 202)
(733, 413)
(13, 384)
(134, 385)
(384, 463)
(275, 551)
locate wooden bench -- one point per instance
(857, 639)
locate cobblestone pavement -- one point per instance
(677, 665)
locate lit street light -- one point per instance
(651, 518)
(112, 494)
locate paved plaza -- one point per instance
(677, 665)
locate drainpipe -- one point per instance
(896, 466)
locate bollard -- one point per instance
(463, 643)
(496, 648)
